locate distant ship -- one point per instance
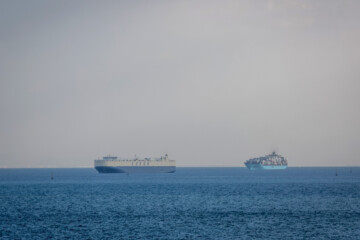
(111, 164)
(272, 161)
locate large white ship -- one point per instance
(111, 164)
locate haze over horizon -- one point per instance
(211, 83)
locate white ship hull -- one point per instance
(158, 169)
(111, 164)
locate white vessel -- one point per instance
(111, 164)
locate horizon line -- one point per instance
(184, 166)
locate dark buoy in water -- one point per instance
(52, 177)
(350, 170)
(336, 173)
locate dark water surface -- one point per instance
(193, 203)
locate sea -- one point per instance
(193, 203)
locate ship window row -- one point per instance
(140, 163)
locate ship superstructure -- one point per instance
(112, 164)
(272, 161)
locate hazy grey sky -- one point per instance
(208, 82)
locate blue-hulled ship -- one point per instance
(272, 161)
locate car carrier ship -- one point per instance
(272, 161)
(111, 164)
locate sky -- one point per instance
(211, 83)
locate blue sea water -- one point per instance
(193, 203)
